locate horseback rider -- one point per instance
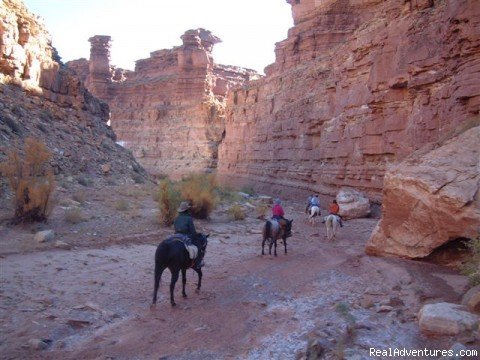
(313, 200)
(277, 210)
(183, 224)
(334, 209)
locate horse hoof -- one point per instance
(184, 295)
(153, 306)
(173, 304)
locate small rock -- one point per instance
(62, 245)
(472, 299)
(106, 168)
(384, 308)
(44, 236)
(38, 344)
(244, 195)
(447, 319)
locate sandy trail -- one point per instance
(94, 303)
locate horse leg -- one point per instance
(285, 244)
(173, 281)
(184, 282)
(199, 285)
(158, 274)
(275, 247)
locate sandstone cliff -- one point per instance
(170, 110)
(357, 86)
(431, 198)
(40, 98)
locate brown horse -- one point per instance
(274, 230)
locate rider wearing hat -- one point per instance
(184, 222)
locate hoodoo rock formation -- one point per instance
(357, 86)
(430, 199)
(170, 110)
(41, 98)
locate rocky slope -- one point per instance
(170, 110)
(431, 198)
(357, 86)
(40, 98)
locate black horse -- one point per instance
(171, 253)
(272, 231)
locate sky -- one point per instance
(248, 29)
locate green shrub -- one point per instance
(237, 212)
(80, 196)
(471, 267)
(199, 190)
(31, 180)
(168, 201)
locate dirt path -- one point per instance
(94, 303)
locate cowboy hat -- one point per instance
(184, 206)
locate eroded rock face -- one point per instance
(357, 86)
(170, 110)
(42, 99)
(430, 199)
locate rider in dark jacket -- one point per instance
(184, 223)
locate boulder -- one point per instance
(353, 204)
(447, 319)
(430, 199)
(44, 236)
(471, 299)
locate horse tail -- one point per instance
(268, 229)
(161, 259)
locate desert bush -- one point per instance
(471, 268)
(74, 216)
(261, 210)
(80, 196)
(199, 190)
(227, 195)
(31, 180)
(85, 181)
(168, 201)
(237, 212)
(122, 205)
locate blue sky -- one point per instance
(249, 29)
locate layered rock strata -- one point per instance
(431, 198)
(170, 110)
(40, 98)
(357, 86)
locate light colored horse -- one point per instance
(313, 213)
(331, 222)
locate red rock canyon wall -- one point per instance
(170, 110)
(356, 87)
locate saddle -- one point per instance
(188, 243)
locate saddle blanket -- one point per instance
(187, 242)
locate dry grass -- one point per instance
(237, 212)
(168, 201)
(199, 191)
(261, 210)
(80, 196)
(74, 216)
(31, 180)
(122, 205)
